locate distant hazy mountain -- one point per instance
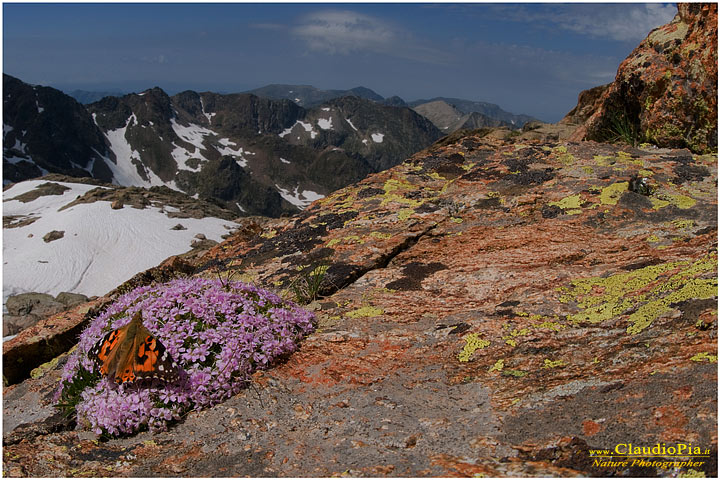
(467, 113)
(395, 101)
(253, 155)
(309, 96)
(86, 97)
(449, 119)
(488, 109)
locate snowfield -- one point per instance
(101, 247)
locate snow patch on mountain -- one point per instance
(351, 124)
(192, 134)
(307, 126)
(237, 153)
(100, 248)
(377, 137)
(128, 166)
(300, 199)
(208, 115)
(284, 161)
(325, 123)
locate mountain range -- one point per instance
(474, 114)
(256, 156)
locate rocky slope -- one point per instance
(581, 314)
(665, 91)
(256, 156)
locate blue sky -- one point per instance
(527, 58)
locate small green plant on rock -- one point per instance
(306, 287)
(622, 128)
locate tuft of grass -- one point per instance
(306, 287)
(622, 129)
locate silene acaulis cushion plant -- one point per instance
(163, 350)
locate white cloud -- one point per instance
(157, 59)
(622, 22)
(631, 23)
(345, 32)
(342, 32)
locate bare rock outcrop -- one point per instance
(665, 91)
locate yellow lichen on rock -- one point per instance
(473, 342)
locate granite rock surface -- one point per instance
(489, 307)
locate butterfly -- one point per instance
(132, 353)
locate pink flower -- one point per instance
(216, 335)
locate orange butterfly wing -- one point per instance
(130, 359)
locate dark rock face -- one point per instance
(665, 91)
(47, 131)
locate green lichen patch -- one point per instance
(393, 185)
(514, 373)
(380, 235)
(683, 224)
(554, 326)
(44, 368)
(349, 239)
(643, 294)
(473, 342)
(604, 160)
(691, 473)
(405, 213)
(704, 356)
